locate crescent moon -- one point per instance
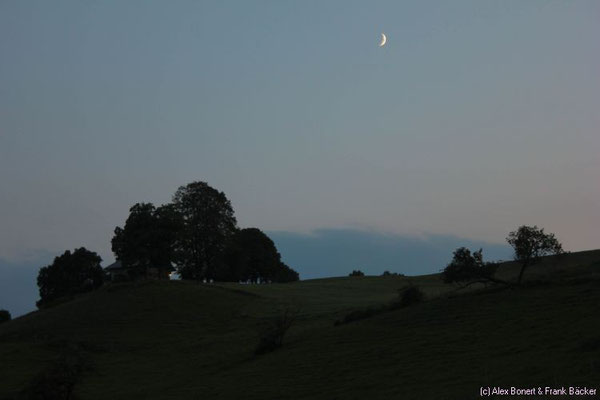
(383, 40)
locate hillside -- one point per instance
(171, 340)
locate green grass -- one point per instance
(181, 340)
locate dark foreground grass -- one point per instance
(178, 340)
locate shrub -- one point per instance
(388, 273)
(408, 296)
(272, 336)
(357, 315)
(4, 316)
(357, 272)
(57, 382)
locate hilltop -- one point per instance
(171, 340)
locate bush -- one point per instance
(357, 272)
(270, 341)
(408, 296)
(388, 273)
(58, 381)
(357, 315)
(4, 316)
(272, 336)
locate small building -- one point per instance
(118, 272)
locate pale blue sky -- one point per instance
(475, 118)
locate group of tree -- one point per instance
(529, 244)
(198, 233)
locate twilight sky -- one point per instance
(475, 118)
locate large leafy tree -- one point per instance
(285, 274)
(147, 238)
(70, 273)
(252, 255)
(208, 222)
(530, 243)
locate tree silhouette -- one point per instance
(466, 268)
(4, 316)
(530, 243)
(285, 274)
(252, 255)
(356, 272)
(69, 274)
(208, 222)
(147, 239)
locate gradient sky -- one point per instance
(475, 118)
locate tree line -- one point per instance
(529, 244)
(197, 234)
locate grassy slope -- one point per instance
(182, 340)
